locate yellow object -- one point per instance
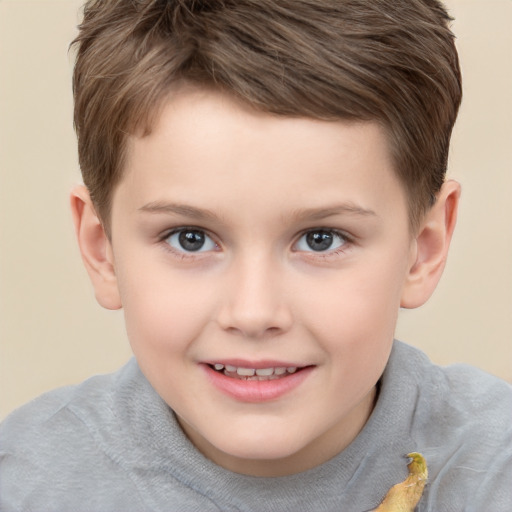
(404, 497)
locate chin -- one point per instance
(262, 446)
(263, 451)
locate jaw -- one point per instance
(271, 443)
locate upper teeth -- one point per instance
(260, 372)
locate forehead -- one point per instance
(208, 150)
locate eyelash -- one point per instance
(327, 254)
(348, 241)
(184, 254)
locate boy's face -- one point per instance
(264, 243)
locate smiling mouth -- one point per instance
(255, 374)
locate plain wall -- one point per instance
(53, 333)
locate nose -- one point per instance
(255, 303)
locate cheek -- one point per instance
(358, 313)
(164, 310)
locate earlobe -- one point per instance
(95, 248)
(431, 247)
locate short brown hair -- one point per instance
(393, 62)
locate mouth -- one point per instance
(245, 383)
(255, 374)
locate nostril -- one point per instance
(254, 332)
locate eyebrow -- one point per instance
(330, 211)
(201, 214)
(178, 209)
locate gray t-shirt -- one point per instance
(112, 444)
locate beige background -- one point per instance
(52, 332)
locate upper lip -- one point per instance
(243, 363)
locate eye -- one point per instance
(320, 240)
(190, 240)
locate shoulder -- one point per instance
(462, 388)
(46, 415)
(46, 447)
(466, 397)
(452, 400)
(462, 423)
(53, 413)
(478, 392)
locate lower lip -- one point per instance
(256, 391)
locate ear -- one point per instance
(95, 248)
(430, 248)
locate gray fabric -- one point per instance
(111, 444)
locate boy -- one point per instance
(264, 188)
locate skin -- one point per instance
(255, 184)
